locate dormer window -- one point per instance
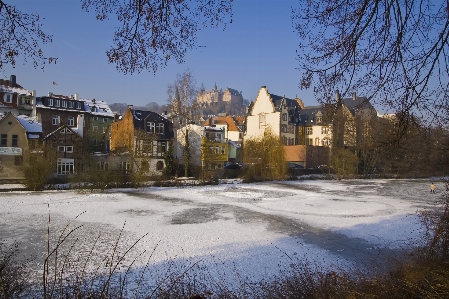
(78, 105)
(70, 104)
(64, 104)
(57, 103)
(318, 119)
(50, 102)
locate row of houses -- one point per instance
(76, 128)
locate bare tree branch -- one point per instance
(392, 51)
(21, 35)
(153, 32)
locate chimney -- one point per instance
(130, 107)
(354, 96)
(50, 94)
(12, 78)
(76, 97)
(33, 93)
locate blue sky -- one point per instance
(257, 48)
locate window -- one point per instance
(318, 119)
(105, 120)
(71, 121)
(78, 105)
(104, 129)
(15, 140)
(309, 141)
(151, 126)
(4, 140)
(309, 131)
(55, 120)
(57, 103)
(95, 118)
(65, 166)
(69, 149)
(61, 149)
(70, 104)
(160, 128)
(324, 130)
(284, 116)
(222, 149)
(317, 141)
(125, 167)
(216, 150)
(8, 98)
(64, 104)
(161, 148)
(50, 102)
(95, 129)
(326, 142)
(261, 119)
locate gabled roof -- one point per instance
(65, 126)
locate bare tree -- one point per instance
(21, 35)
(182, 97)
(395, 52)
(153, 31)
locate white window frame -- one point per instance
(78, 105)
(94, 129)
(57, 103)
(69, 149)
(61, 149)
(8, 98)
(65, 166)
(309, 131)
(105, 119)
(70, 104)
(64, 104)
(55, 120)
(71, 121)
(50, 102)
(159, 128)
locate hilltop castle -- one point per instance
(215, 95)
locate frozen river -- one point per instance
(232, 230)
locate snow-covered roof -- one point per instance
(234, 144)
(29, 123)
(97, 107)
(17, 89)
